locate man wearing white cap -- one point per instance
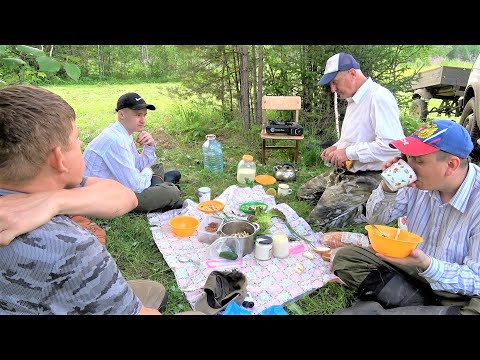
(371, 121)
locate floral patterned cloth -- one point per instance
(270, 282)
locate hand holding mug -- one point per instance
(398, 175)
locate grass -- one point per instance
(180, 126)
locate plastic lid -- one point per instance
(210, 136)
(247, 158)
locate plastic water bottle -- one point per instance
(212, 154)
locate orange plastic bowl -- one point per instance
(184, 225)
(388, 246)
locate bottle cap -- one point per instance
(247, 158)
(210, 136)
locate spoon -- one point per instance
(398, 233)
(380, 231)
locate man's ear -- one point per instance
(453, 163)
(56, 159)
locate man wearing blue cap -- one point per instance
(372, 120)
(442, 274)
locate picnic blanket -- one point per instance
(271, 282)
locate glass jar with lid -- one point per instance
(246, 170)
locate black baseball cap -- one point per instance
(132, 101)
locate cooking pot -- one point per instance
(285, 172)
(237, 226)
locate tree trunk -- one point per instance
(258, 99)
(236, 71)
(244, 98)
(254, 83)
(230, 92)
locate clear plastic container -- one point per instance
(246, 169)
(212, 154)
(205, 236)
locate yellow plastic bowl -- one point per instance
(388, 246)
(184, 225)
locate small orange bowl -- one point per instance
(184, 225)
(388, 246)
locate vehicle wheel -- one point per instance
(419, 109)
(469, 121)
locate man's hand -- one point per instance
(21, 213)
(145, 138)
(389, 163)
(326, 154)
(339, 157)
(416, 258)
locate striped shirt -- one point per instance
(451, 231)
(113, 155)
(372, 121)
(61, 268)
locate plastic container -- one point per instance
(205, 236)
(246, 169)
(212, 154)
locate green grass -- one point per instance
(180, 126)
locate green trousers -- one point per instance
(352, 264)
(158, 196)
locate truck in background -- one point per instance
(470, 105)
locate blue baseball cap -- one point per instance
(339, 62)
(445, 135)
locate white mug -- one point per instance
(398, 175)
(203, 194)
(284, 190)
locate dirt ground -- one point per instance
(163, 140)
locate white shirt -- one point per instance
(450, 231)
(371, 122)
(113, 155)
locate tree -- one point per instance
(21, 63)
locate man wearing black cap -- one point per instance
(372, 120)
(114, 155)
(442, 274)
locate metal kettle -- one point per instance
(285, 172)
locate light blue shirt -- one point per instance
(113, 155)
(451, 231)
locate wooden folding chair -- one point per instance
(293, 103)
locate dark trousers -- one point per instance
(159, 195)
(352, 264)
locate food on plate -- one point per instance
(254, 207)
(211, 227)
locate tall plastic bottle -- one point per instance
(246, 169)
(212, 154)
